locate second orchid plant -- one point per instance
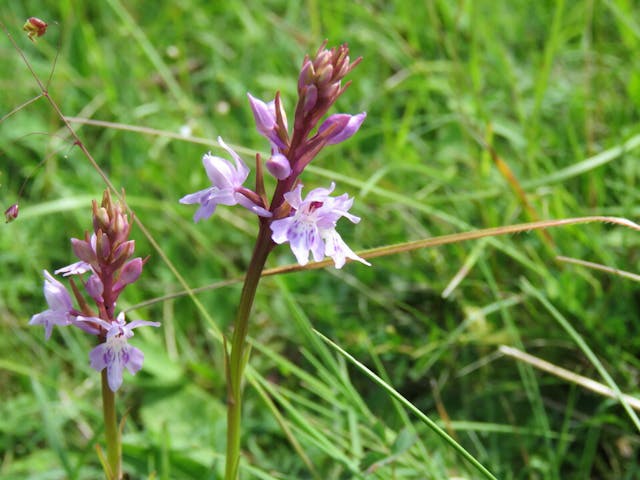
(104, 259)
(308, 224)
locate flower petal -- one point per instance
(99, 357)
(77, 268)
(133, 359)
(56, 294)
(338, 250)
(115, 370)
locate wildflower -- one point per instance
(106, 254)
(115, 354)
(311, 226)
(83, 249)
(60, 306)
(337, 249)
(226, 189)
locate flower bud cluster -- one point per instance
(320, 80)
(107, 254)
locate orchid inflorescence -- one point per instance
(106, 256)
(309, 224)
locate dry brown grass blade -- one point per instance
(568, 375)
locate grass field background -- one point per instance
(552, 87)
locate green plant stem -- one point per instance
(236, 361)
(111, 429)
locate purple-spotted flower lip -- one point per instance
(60, 310)
(226, 186)
(311, 226)
(115, 354)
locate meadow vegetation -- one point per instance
(479, 114)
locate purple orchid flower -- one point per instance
(226, 180)
(60, 310)
(115, 354)
(311, 226)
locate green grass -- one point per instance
(553, 87)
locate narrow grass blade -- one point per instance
(394, 393)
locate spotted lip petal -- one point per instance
(115, 354)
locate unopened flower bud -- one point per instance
(307, 74)
(323, 58)
(278, 166)
(264, 115)
(95, 288)
(343, 126)
(310, 98)
(130, 271)
(342, 67)
(11, 213)
(324, 75)
(84, 251)
(120, 225)
(103, 245)
(101, 219)
(122, 253)
(267, 119)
